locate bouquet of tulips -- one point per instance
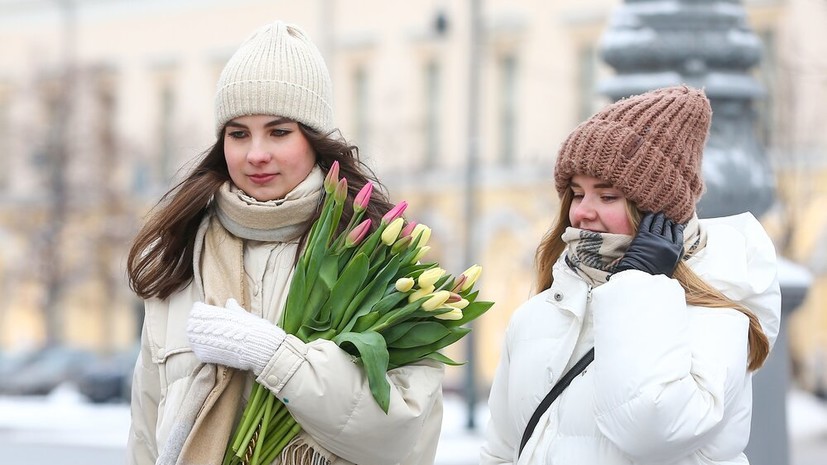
(370, 294)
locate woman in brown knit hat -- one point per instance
(648, 323)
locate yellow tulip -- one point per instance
(471, 275)
(391, 232)
(423, 232)
(460, 304)
(420, 293)
(404, 284)
(454, 314)
(421, 253)
(436, 300)
(430, 277)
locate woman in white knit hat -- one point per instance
(231, 231)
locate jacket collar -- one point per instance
(568, 291)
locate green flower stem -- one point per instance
(265, 423)
(247, 418)
(248, 433)
(230, 458)
(279, 418)
(286, 431)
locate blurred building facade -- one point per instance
(102, 102)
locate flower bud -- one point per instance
(332, 178)
(423, 233)
(360, 203)
(454, 314)
(358, 233)
(390, 233)
(458, 282)
(420, 293)
(430, 277)
(471, 274)
(404, 284)
(460, 304)
(395, 212)
(401, 244)
(436, 300)
(420, 254)
(454, 298)
(341, 191)
(409, 228)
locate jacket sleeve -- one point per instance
(663, 384)
(500, 443)
(328, 394)
(141, 446)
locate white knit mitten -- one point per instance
(232, 336)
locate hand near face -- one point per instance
(656, 248)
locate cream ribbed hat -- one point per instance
(276, 71)
(648, 146)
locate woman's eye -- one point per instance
(609, 198)
(280, 132)
(236, 134)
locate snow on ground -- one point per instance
(65, 417)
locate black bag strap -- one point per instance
(558, 388)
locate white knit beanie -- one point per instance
(277, 71)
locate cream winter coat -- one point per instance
(669, 383)
(323, 387)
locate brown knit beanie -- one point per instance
(649, 146)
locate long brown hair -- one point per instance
(698, 292)
(160, 259)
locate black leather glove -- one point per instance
(657, 247)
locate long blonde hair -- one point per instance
(698, 292)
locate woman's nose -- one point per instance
(584, 210)
(259, 153)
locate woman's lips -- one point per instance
(261, 178)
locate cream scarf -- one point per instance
(594, 256)
(213, 403)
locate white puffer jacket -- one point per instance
(669, 383)
(327, 391)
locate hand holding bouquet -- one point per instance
(369, 293)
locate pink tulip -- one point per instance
(458, 283)
(395, 212)
(408, 229)
(341, 191)
(453, 298)
(360, 203)
(332, 178)
(358, 233)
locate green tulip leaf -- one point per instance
(471, 312)
(374, 356)
(415, 334)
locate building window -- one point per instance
(433, 124)
(507, 111)
(361, 105)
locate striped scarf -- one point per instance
(594, 256)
